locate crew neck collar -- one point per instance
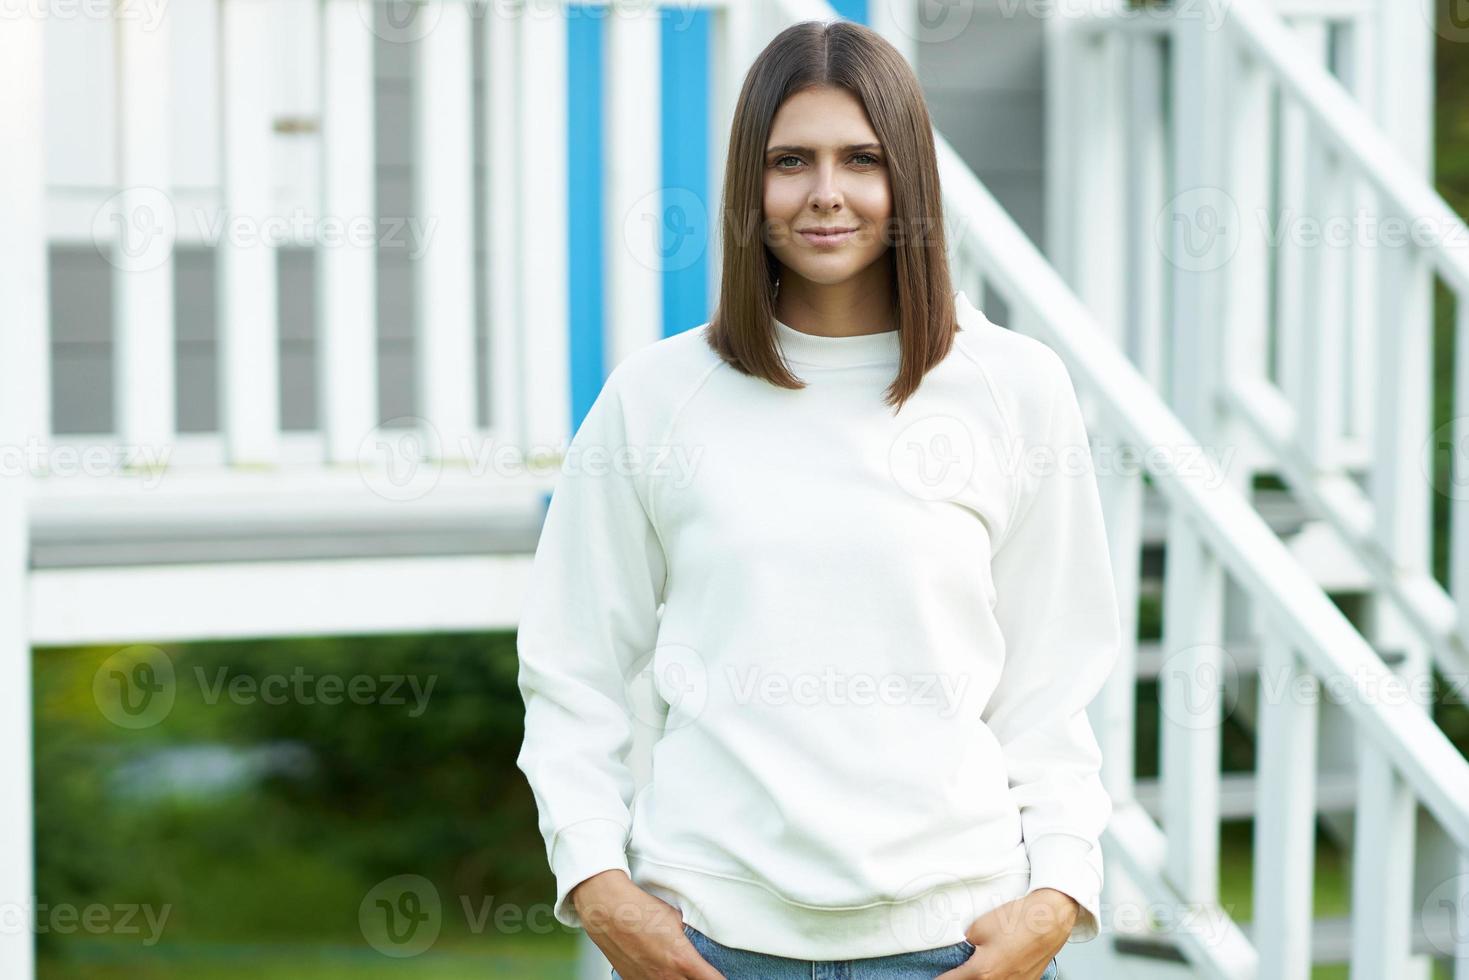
(808, 348)
(800, 347)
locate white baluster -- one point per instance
(346, 272)
(143, 266)
(1285, 811)
(633, 240)
(1318, 387)
(546, 317)
(444, 202)
(24, 415)
(505, 268)
(1147, 179)
(247, 309)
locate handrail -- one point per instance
(1235, 532)
(1342, 121)
(1336, 118)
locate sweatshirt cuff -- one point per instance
(1063, 862)
(580, 851)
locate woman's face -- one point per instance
(824, 169)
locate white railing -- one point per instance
(1349, 395)
(1308, 642)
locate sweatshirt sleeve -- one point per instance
(588, 620)
(1057, 610)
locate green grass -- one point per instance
(537, 958)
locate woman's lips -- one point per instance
(828, 240)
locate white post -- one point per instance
(545, 312)
(1062, 80)
(1147, 176)
(1318, 389)
(635, 198)
(248, 316)
(1285, 812)
(142, 254)
(444, 195)
(504, 268)
(346, 274)
(1384, 835)
(733, 48)
(1194, 587)
(1101, 157)
(24, 404)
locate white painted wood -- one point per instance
(1285, 813)
(25, 395)
(1318, 387)
(733, 45)
(289, 598)
(1350, 130)
(636, 201)
(1191, 684)
(1398, 490)
(1146, 182)
(246, 290)
(505, 267)
(346, 267)
(1231, 529)
(443, 193)
(1294, 314)
(1101, 159)
(1357, 71)
(24, 415)
(1061, 125)
(1245, 337)
(1348, 510)
(546, 318)
(142, 230)
(1404, 82)
(1191, 691)
(80, 66)
(1382, 850)
(1115, 710)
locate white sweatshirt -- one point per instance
(877, 641)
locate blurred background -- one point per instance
(300, 301)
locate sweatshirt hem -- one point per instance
(747, 915)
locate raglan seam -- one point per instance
(1005, 420)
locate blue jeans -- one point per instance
(743, 964)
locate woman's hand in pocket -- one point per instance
(641, 935)
(1018, 940)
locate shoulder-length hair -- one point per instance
(856, 58)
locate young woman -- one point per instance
(853, 528)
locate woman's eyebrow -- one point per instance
(806, 149)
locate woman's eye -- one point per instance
(862, 159)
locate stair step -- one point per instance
(1335, 793)
(1244, 652)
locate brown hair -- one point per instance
(856, 58)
